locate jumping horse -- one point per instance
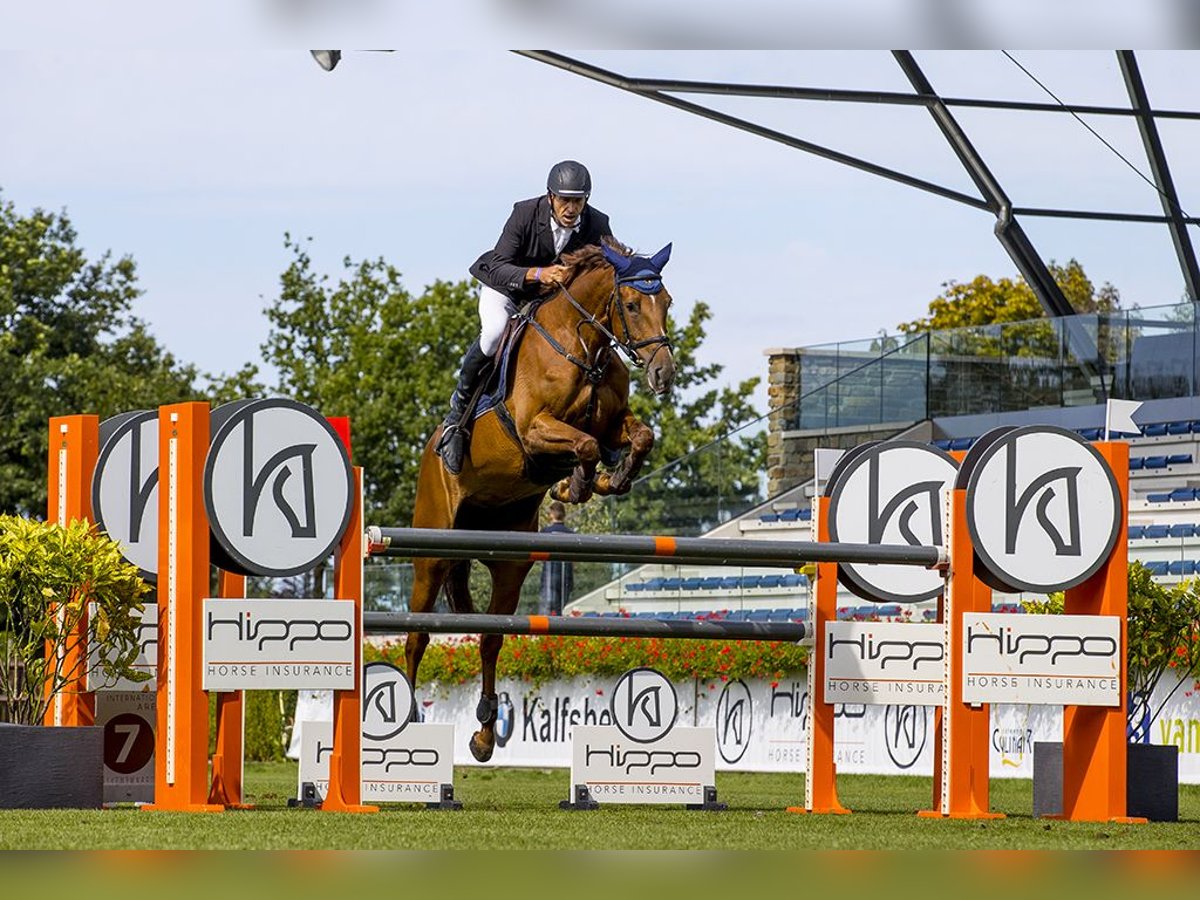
(562, 408)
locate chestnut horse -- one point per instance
(565, 409)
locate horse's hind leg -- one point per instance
(428, 577)
(507, 579)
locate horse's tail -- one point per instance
(457, 587)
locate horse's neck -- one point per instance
(592, 291)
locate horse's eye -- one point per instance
(631, 305)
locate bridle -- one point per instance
(594, 369)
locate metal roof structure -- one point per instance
(991, 195)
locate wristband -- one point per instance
(537, 276)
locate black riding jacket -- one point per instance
(527, 241)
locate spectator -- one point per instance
(557, 577)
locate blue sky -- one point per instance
(197, 162)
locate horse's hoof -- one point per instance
(481, 750)
(561, 492)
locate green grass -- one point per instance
(517, 808)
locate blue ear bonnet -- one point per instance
(638, 272)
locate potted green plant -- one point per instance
(1162, 637)
(61, 589)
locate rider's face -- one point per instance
(567, 210)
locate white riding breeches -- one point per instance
(494, 312)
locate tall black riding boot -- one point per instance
(456, 430)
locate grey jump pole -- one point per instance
(445, 543)
(477, 623)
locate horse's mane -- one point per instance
(587, 259)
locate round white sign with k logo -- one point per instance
(1043, 509)
(125, 487)
(644, 705)
(891, 493)
(388, 702)
(278, 487)
(735, 720)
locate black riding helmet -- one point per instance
(569, 179)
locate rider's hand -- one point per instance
(554, 275)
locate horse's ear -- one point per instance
(659, 259)
(615, 259)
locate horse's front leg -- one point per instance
(640, 439)
(547, 434)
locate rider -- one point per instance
(535, 237)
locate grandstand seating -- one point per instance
(1164, 532)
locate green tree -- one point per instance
(983, 301)
(366, 348)
(68, 344)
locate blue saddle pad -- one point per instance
(506, 357)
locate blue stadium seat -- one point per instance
(1157, 498)
(780, 615)
(789, 515)
(670, 584)
(645, 615)
(760, 615)
(738, 615)
(653, 584)
(1158, 429)
(635, 586)
(798, 615)
(806, 514)
(1090, 434)
(1135, 463)
(1183, 495)
(769, 517)
(1154, 462)
(691, 584)
(712, 583)
(1157, 567)
(929, 615)
(942, 445)
(731, 582)
(771, 581)
(888, 609)
(1156, 532)
(1182, 567)
(751, 581)
(1179, 427)
(793, 580)
(1179, 459)
(591, 614)
(962, 443)
(1136, 531)
(1184, 530)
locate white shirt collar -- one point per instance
(562, 233)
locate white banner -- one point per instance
(765, 722)
(885, 662)
(409, 767)
(675, 768)
(277, 644)
(1059, 660)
